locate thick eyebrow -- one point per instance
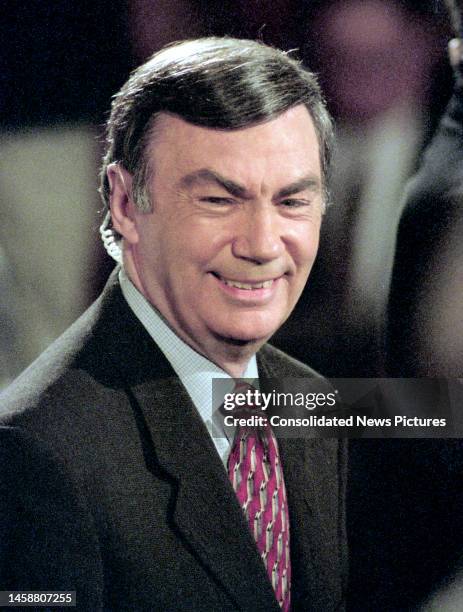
(306, 183)
(206, 175)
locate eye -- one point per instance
(294, 203)
(216, 200)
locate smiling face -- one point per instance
(233, 234)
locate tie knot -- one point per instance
(241, 412)
(253, 424)
(246, 389)
(246, 398)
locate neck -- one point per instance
(232, 358)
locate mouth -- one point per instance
(249, 291)
(247, 285)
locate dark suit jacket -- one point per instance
(110, 484)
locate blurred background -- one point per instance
(383, 68)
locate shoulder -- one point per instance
(67, 354)
(49, 374)
(82, 370)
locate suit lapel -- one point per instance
(205, 511)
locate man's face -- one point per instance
(233, 234)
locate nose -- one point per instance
(259, 235)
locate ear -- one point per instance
(123, 210)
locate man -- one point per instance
(111, 484)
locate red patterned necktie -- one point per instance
(255, 472)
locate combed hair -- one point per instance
(220, 83)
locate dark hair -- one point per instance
(221, 83)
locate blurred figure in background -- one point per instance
(425, 327)
(405, 499)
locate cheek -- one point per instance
(305, 245)
(199, 245)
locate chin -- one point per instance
(256, 332)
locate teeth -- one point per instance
(248, 286)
